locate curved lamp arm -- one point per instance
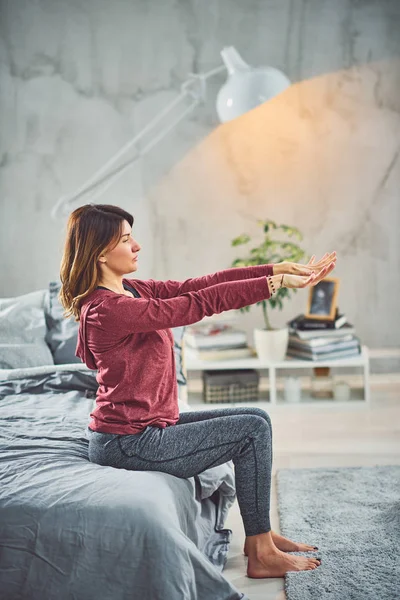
(247, 86)
(194, 87)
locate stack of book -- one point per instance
(317, 339)
(217, 341)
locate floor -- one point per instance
(306, 437)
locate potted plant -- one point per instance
(270, 344)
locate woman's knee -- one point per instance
(254, 424)
(255, 429)
(259, 412)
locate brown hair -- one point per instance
(92, 229)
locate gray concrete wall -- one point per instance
(79, 79)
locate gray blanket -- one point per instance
(71, 529)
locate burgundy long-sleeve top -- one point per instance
(129, 342)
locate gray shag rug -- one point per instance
(352, 515)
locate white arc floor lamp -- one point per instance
(245, 88)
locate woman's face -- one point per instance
(123, 258)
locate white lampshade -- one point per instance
(246, 86)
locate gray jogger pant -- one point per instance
(198, 441)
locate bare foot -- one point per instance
(276, 564)
(284, 544)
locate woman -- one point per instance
(124, 334)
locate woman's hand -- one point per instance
(302, 281)
(291, 268)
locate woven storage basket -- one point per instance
(231, 385)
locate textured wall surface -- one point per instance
(79, 79)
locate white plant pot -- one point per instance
(271, 344)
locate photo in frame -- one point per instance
(322, 299)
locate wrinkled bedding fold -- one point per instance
(73, 529)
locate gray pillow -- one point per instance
(62, 334)
(23, 331)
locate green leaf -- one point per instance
(241, 239)
(292, 231)
(272, 224)
(239, 262)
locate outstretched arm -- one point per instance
(117, 315)
(172, 288)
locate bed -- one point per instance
(73, 529)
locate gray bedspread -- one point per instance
(70, 529)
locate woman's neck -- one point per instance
(113, 285)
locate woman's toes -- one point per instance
(306, 548)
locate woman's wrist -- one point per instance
(274, 283)
(278, 268)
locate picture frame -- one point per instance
(322, 300)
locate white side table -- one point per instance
(362, 360)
